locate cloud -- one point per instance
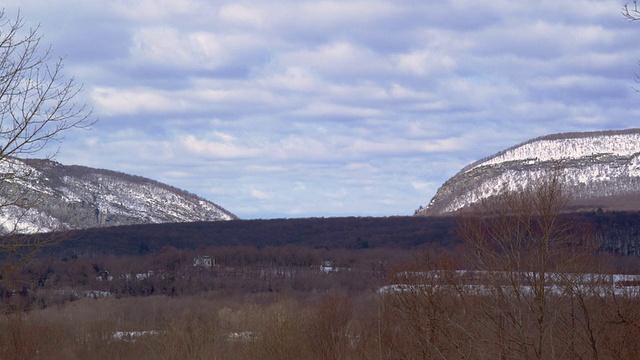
(320, 108)
(337, 58)
(243, 15)
(424, 62)
(317, 109)
(258, 194)
(200, 50)
(155, 10)
(224, 148)
(113, 101)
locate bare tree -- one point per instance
(523, 246)
(430, 307)
(37, 101)
(37, 107)
(631, 12)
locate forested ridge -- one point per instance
(619, 233)
(345, 232)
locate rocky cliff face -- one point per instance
(600, 169)
(42, 195)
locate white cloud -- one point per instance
(296, 79)
(334, 12)
(426, 62)
(154, 10)
(227, 138)
(358, 107)
(263, 169)
(338, 58)
(170, 47)
(224, 149)
(177, 174)
(421, 185)
(336, 110)
(203, 95)
(392, 146)
(238, 14)
(258, 194)
(114, 101)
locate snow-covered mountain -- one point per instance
(600, 169)
(43, 195)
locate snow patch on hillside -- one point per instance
(512, 180)
(49, 196)
(548, 150)
(634, 166)
(592, 165)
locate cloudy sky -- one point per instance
(282, 108)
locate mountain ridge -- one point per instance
(556, 136)
(597, 167)
(44, 195)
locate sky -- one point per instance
(283, 109)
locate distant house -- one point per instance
(328, 266)
(95, 294)
(203, 261)
(104, 276)
(138, 276)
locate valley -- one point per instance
(418, 286)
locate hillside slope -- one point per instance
(600, 169)
(46, 195)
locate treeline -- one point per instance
(229, 270)
(329, 233)
(618, 233)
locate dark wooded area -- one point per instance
(348, 233)
(618, 232)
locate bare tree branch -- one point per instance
(631, 12)
(37, 107)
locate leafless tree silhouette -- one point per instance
(37, 107)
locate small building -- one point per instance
(328, 266)
(203, 261)
(104, 276)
